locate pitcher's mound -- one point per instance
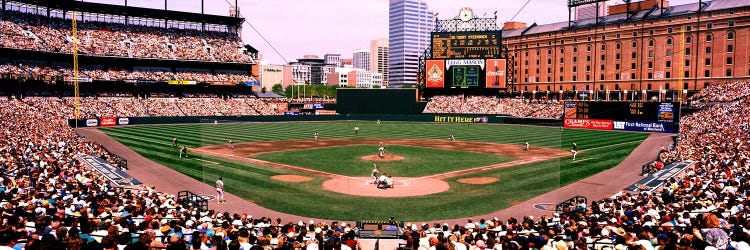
(291, 178)
(402, 186)
(384, 158)
(478, 180)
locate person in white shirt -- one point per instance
(220, 190)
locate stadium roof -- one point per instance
(130, 11)
(635, 16)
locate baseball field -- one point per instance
(279, 166)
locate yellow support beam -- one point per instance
(77, 97)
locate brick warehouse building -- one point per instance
(635, 51)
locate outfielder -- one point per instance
(574, 150)
(316, 135)
(231, 144)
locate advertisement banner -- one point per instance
(113, 173)
(435, 74)
(291, 113)
(317, 106)
(662, 127)
(570, 110)
(182, 82)
(223, 83)
(666, 112)
(252, 84)
(325, 112)
(461, 119)
(92, 122)
(588, 124)
(107, 121)
(464, 62)
(281, 107)
(495, 77)
(80, 79)
(123, 121)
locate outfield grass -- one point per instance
(418, 161)
(599, 150)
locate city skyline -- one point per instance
(342, 26)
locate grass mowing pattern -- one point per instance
(418, 161)
(308, 199)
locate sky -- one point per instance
(317, 27)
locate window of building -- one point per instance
(635, 44)
(562, 60)
(575, 69)
(549, 61)
(730, 48)
(707, 73)
(561, 79)
(708, 50)
(601, 77)
(604, 47)
(602, 67)
(537, 62)
(527, 53)
(708, 61)
(689, 28)
(603, 57)
(575, 49)
(731, 23)
(575, 59)
(687, 51)
(635, 33)
(617, 46)
(669, 30)
(668, 64)
(730, 35)
(669, 52)
(632, 66)
(688, 39)
(632, 76)
(617, 66)
(561, 69)
(549, 51)
(617, 36)
(650, 54)
(588, 48)
(687, 63)
(588, 38)
(537, 71)
(538, 53)
(633, 55)
(666, 86)
(668, 74)
(526, 63)
(549, 79)
(651, 43)
(648, 86)
(709, 26)
(575, 79)
(669, 41)
(729, 72)
(588, 68)
(617, 76)
(562, 50)
(588, 78)
(588, 58)
(617, 56)
(687, 73)
(650, 76)
(729, 60)
(526, 71)
(650, 65)
(709, 37)
(651, 32)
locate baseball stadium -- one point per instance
(128, 127)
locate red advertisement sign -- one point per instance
(588, 124)
(435, 77)
(107, 121)
(495, 77)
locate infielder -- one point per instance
(220, 191)
(231, 144)
(356, 130)
(316, 135)
(526, 145)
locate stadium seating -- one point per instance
(50, 201)
(35, 32)
(494, 105)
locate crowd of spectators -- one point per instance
(51, 201)
(126, 106)
(36, 32)
(98, 74)
(722, 92)
(495, 105)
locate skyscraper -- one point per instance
(361, 59)
(409, 27)
(379, 58)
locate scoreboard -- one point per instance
(466, 45)
(624, 111)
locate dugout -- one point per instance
(378, 101)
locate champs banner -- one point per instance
(495, 77)
(435, 74)
(182, 82)
(588, 124)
